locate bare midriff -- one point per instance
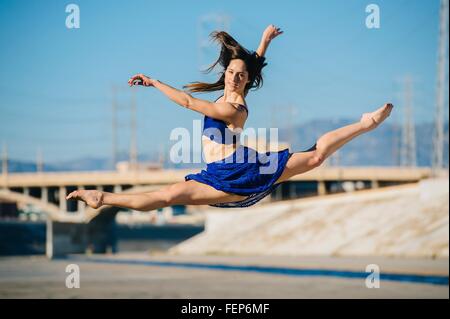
(214, 151)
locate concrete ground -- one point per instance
(117, 277)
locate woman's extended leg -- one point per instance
(183, 193)
(327, 144)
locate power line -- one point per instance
(64, 100)
(45, 113)
(206, 23)
(58, 136)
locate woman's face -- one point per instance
(236, 76)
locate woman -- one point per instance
(235, 175)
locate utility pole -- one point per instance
(39, 161)
(290, 125)
(114, 127)
(5, 160)
(161, 157)
(133, 144)
(396, 140)
(408, 147)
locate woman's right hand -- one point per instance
(140, 79)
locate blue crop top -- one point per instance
(217, 130)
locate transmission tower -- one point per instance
(133, 151)
(441, 90)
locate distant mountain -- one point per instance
(81, 164)
(380, 147)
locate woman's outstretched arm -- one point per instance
(220, 110)
(270, 33)
(177, 96)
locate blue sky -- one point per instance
(56, 83)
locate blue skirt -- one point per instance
(246, 173)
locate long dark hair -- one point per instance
(231, 49)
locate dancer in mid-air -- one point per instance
(236, 175)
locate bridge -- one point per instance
(47, 191)
(66, 220)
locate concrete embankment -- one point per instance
(401, 221)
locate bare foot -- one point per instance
(93, 198)
(370, 121)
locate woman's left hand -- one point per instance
(140, 79)
(271, 32)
